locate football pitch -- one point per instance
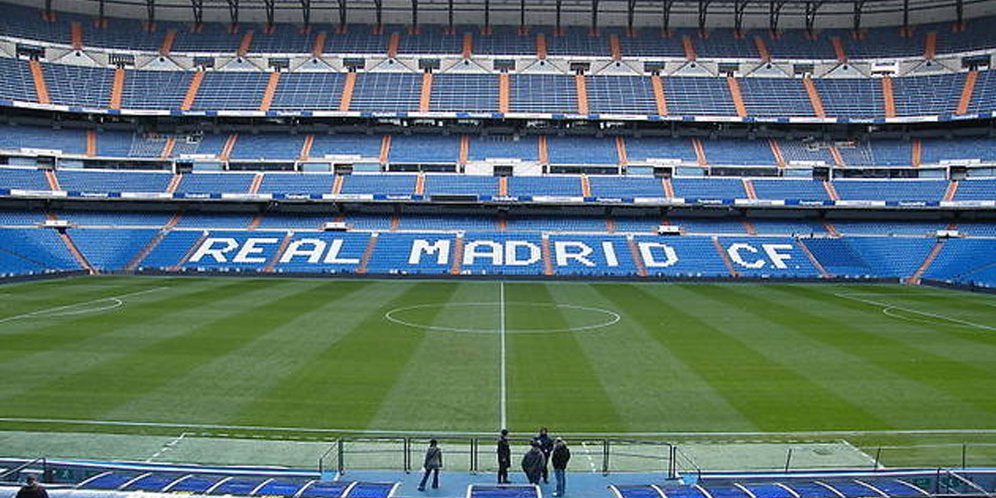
(869, 365)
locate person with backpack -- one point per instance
(433, 462)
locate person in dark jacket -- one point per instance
(32, 489)
(546, 446)
(532, 464)
(433, 462)
(561, 455)
(504, 457)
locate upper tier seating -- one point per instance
(78, 86)
(621, 95)
(386, 92)
(851, 98)
(231, 91)
(17, 83)
(464, 92)
(775, 97)
(155, 89)
(543, 93)
(308, 91)
(26, 23)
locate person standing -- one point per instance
(32, 489)
(433, 462)
(504, 457)
(546, 446)
(532, 463)
(561, 455)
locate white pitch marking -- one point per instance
(591, 461)
(866, 456)
(166, 447)
(612, 318)
(55, 311)
(923, 313)
(315, 430)
(503, 403)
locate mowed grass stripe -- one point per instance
(838, 352)
(774, 397)
(345, 386)
(34, 305)
(451, 380)
(968, 382)
(238, 313)
(66, 347)
(251, 370)
(652, 389)
(957, 341)
(960, 314)
(550, 379)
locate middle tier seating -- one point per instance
(307, 90)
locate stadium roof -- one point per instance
(676, 13)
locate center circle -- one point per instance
(428, 316)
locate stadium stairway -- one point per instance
(918, 275)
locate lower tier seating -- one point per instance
(526, 246)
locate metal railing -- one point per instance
(477, 453)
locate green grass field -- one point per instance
(772, 359)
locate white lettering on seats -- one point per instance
(439, 248)
(207, 249)
(568, 250)
(249, 249)
(650, 258)
(778, 259)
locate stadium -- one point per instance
(722, 248)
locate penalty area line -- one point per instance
(886, 306)
(54, 311)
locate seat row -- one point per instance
(552, 186)
(462, 149)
